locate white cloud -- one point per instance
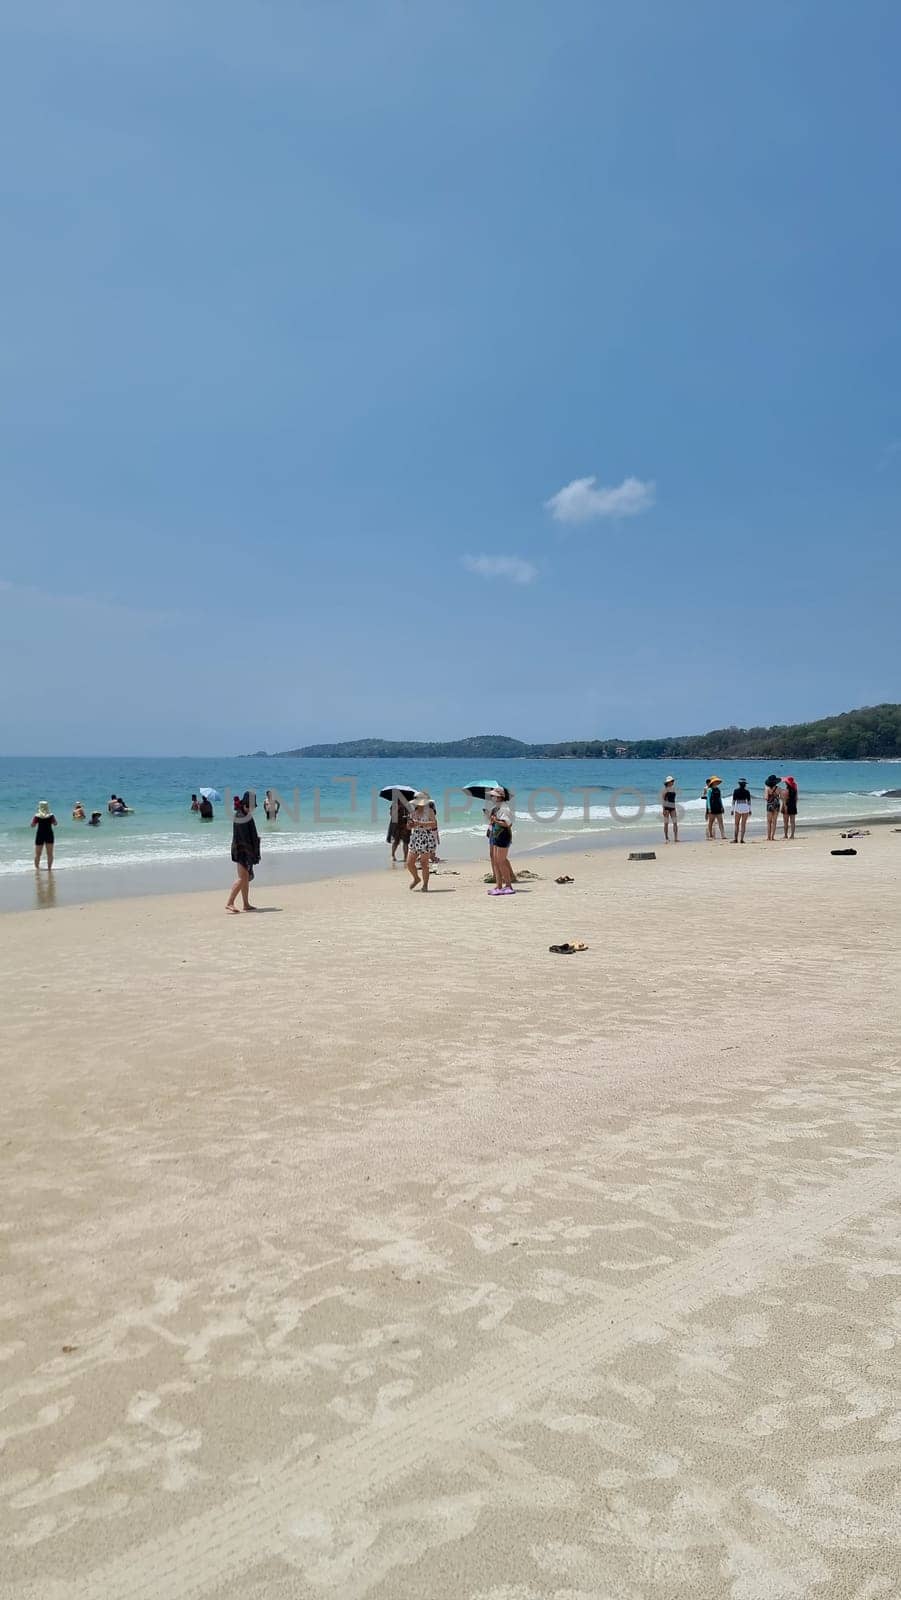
(513, 568)
(583, 501)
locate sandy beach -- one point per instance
(363, 1248)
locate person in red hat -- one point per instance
(789, 807)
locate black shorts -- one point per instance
(502, 837)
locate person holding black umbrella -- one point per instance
(399, 828)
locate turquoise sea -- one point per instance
(329, 824)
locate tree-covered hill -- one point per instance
(865, 734)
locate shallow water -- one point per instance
(332, 819)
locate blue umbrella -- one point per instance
(480, 790)
(211, 794)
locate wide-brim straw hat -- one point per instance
(713, 780)
(421, 797)
(670, 779)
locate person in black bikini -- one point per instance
(668, 805)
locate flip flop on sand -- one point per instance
(843, 852)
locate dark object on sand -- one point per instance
(566, 949)
(843, 852)
(564, 880)
(642, 855)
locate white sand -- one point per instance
(365, 1249)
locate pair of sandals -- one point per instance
(564, 880)
(567, 949)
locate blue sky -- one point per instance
(436, 369)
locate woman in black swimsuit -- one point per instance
(668, 806)
(789, 807)
(45, 822)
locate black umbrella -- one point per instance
(397, 791)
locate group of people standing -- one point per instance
(780, 798)
(413, 828)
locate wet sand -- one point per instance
(362, 1248)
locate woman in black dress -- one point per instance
(45, 822)
(245, 850)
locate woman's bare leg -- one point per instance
(411, 868)
(425, 867)
(37, 856)
(239, 887)
(49, 856)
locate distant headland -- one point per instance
(868, 734)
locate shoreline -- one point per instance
(43, 891)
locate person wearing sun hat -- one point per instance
(741, 810)
(668, 807)
(45, 822)
(423, 827)
(714, 807)
(789, 807)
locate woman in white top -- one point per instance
(501, 838)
